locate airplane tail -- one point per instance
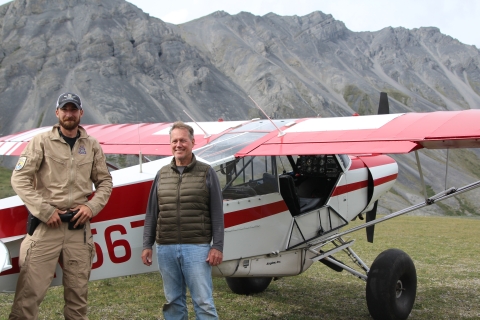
(383, 107)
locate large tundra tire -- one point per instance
(247, 286)
(391, 286)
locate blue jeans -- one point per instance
(183, 265)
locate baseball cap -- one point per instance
(68, 97)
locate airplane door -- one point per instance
(339, 198)
(357, 181)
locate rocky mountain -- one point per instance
(314, 65)
(130, 67)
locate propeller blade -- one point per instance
(371, 215)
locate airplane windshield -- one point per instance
(224, 148)
(227, 145)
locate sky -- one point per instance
(458, 19)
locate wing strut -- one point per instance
(446, 170)
(421, 175)
(438, 197)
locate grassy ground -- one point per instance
(445, 252)
(5, 187)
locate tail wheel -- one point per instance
(249, 285)
(391, 285)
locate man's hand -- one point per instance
(215, 257)
(54, 221)
(83, 215)
(147, 257)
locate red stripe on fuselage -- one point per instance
(251, 214)
(386, 179)
(349, 188)
(361, 184)
(125, 201)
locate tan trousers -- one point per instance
(39, 254)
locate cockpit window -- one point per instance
(345, 161)
(248, 177)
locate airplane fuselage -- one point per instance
(264, 235)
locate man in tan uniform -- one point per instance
(53, 177)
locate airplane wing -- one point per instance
(377, 134)
(149, 138)
(390, 133)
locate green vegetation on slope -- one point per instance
(399, 96)
(354, 96)
(5, 186)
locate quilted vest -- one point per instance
(183, 202)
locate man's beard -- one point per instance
(69, 124)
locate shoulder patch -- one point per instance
(20, 163)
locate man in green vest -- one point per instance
(184, 214)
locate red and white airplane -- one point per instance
(290, 189)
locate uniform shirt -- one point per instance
(50, 175)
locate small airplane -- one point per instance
(290, 189)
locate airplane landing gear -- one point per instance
(391, 285)
(250, 285)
